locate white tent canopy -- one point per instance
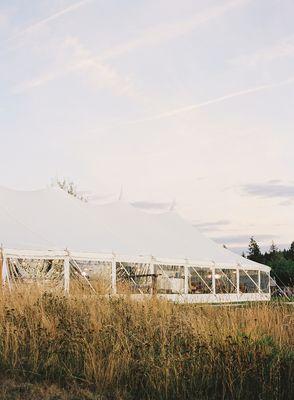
(50, 219)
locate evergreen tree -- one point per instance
(273, 248)
(280, 261)
(282, 270)
(291, 252)
(254, 252)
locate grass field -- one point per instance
(89, 347)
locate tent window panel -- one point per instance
(170, 279)
(200, 280)
(264, 282)
(98, 273)
(95, 270)
(134, 278)
(225, 280)
(35, 270)
(248, 281)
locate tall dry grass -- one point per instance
(118, 348)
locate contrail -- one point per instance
(44, 21)
(191, 107)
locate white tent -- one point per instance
(50, 223)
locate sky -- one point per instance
(182, 104)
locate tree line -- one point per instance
(280, 261)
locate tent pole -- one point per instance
(269, 283)
(113, 275)
(3, 268)
(66, 270)
(186, 283)
(213, 279)
(259, 282)
(1, 265)
(238, 281)
(153, 278)
(5, 272)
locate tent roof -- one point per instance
(51, 219)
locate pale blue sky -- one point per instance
(188, 100)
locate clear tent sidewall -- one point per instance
(183, 281)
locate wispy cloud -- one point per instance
(283, 49)
(43, 22)
(274, 181)
(78, 59)
(242, 239)
(271, 190)
(38, 81)
(102, 73)
(211, 226)
(150, 37)
(192, 107)
(162, 33)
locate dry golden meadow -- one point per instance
(90, 347)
